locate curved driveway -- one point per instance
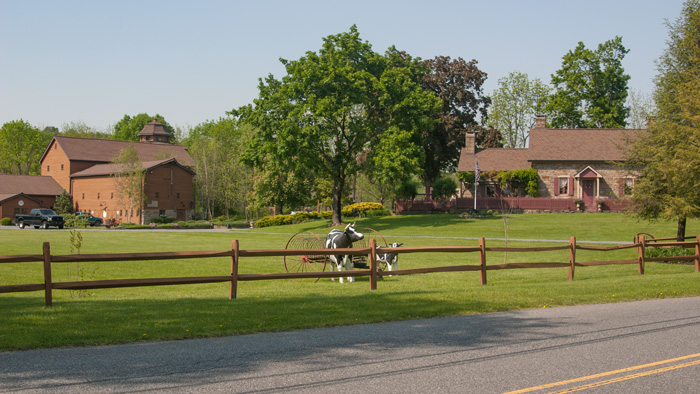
(642, 347)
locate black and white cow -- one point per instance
(337, 239)
(390, 259)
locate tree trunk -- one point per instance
(428, 195)
(680, 236)
(337, 218)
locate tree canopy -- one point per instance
(21, 147)
(667, 159)
(128, 128)
(591, 88)
(216, 147)
(337, 110)
(459, 86)
(515, 104)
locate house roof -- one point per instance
(103, 151)
(111, 168)
(34, 185)
(580, 145)
(501, 159)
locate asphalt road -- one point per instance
(629, 347)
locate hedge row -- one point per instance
(363, 209)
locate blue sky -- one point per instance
(191, 61)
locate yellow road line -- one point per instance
(628, 377)
(600, 375)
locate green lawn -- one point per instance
(108, 316)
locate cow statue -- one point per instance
(337, 239)
(390, 259)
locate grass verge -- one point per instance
(125, 315)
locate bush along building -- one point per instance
(577, 169)
(86, 168)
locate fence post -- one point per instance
(48, 284)
(233, 286)
(372, 264)
(572, 257)
(482, 260)
(697, 254)
(641, 240)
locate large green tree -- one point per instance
(459, 86)
(668, 157)
(333, 107)
(128, 128)
(21, 147)
(514, 106)
(590, 88)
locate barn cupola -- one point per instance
(154, 132)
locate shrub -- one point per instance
(5, 221)
(377, 212)
(280, 220)
(159, 220)
(444, 188)
(133, 226)
(407, 190)
(237, 224)
(667, 252)
(361, 208)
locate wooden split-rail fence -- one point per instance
(641, 243)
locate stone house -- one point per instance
(574, 165)
(84, 167)
(22, 193)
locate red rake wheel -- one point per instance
(305, 263)
(361, 261)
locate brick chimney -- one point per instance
(470, 143)
(540, 122)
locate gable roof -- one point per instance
(103, 151)
(580, 144)
(35, 185)
(110, 168)
(5, 197)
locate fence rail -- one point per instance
(641, 243)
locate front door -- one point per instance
(588, 188)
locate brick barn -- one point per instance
(84, 168)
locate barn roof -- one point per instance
(103, 151)
(35, 185)
(111, 168)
